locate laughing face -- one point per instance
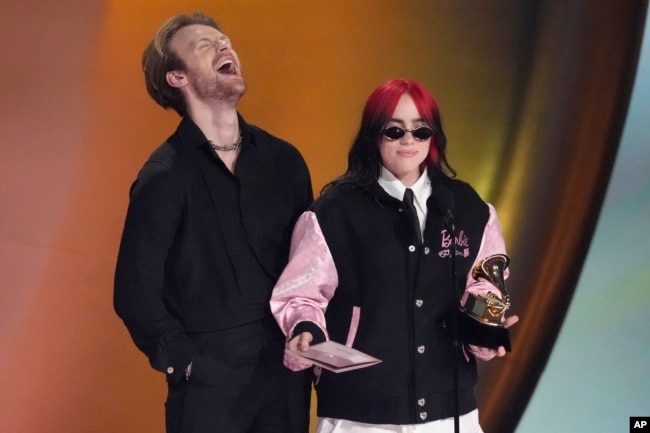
(211, 67)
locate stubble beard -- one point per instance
(220, 90)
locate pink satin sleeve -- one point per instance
(491, 243)
(308, 282)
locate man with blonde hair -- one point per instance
(206, 236)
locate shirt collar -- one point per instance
(393, 186)
(192, 136)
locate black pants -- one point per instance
(238, 384)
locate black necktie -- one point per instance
(413, 213)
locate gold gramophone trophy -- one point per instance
(480, 321)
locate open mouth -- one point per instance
(227, 67)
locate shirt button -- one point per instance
(411, 248)
(426, 250)
(423, 416)
(170, 370)
(419, 302)
(421, 349)
(421, 402)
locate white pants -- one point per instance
(468, 424)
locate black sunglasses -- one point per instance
(420, 133)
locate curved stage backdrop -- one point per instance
(534, 98)
(598, 374)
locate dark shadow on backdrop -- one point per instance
(573, 107)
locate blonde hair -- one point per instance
(157, 60)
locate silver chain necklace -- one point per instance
(229, 147)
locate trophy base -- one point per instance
(473, 332)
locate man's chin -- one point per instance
(231, 95)
(235, 89)
(242, 86)
(235, 83)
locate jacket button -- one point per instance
(423, 416)
(411, 248)
(170, 370)
(419, 303)
(426, 250)
(421, 402)
(421, 349)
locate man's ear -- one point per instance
(176, 78)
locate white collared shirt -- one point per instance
(421, 191)
(468, 423)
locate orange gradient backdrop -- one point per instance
(76, 125)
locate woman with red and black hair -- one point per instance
(371, 267)
(364, 159)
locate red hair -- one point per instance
(364, 160)
(382, 102)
